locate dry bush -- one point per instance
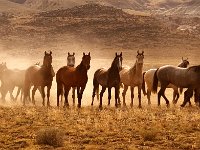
(50, 136)
(149, 134)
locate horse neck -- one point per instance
(137, 68)
(114, 70)
(81, 68)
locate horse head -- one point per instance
(86, 60)
(71, 60)
(185, 63)
(140, 57)
(47, 61)
(118, 61)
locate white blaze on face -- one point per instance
(70, 61)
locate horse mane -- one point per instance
(195, 68)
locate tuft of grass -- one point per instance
(50, 136)
(149, 135)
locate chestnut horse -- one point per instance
(73, 77)
(39, 76)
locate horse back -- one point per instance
(69, 76)
(101, 75)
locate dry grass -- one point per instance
(89, 128)
(50, 136)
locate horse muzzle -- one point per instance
(88, 67)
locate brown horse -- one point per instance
(73, 77)
(39, 76)
(108, 78)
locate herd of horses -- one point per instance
(117, 76)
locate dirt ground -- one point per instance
(23, 42)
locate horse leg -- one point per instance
(67, 89)
(162, 93)
(187, 95)
(3, 93)
(101, 96)
(48, 95)
(116, 95)
(11, 93)
(124, 94)
(132, 96)
(73, 95)
(59, 93)
(139, 96)
(149, 96)
(18, 92)
(80, 96)
(33, 94)
(175, 96)
(43, 95)
(109, 95)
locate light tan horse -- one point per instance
(148, 79)
(39, 76)
(133, 77)
(11, 78)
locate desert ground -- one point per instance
(102, 31)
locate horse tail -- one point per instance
(95, 87)
(143, 84)
(27, 86)
(155, 82)
(181, 90)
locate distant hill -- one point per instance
(150, 6)
(10, 7)
(191, 8)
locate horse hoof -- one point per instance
(124, 104)
(131, 105)
(139, 106)
(182, 105)
(79, 106)
(100, 107)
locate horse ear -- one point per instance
(138, 51)
(45, 53)
(83, 54)
(182, 59)
(68, 53)
(50, 52)
(116, 54)
(142, 52)
(89, 53)
(121, 54)
(73, 53)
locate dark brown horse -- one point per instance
(73, 77)
(108, 78)
(39, 76)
